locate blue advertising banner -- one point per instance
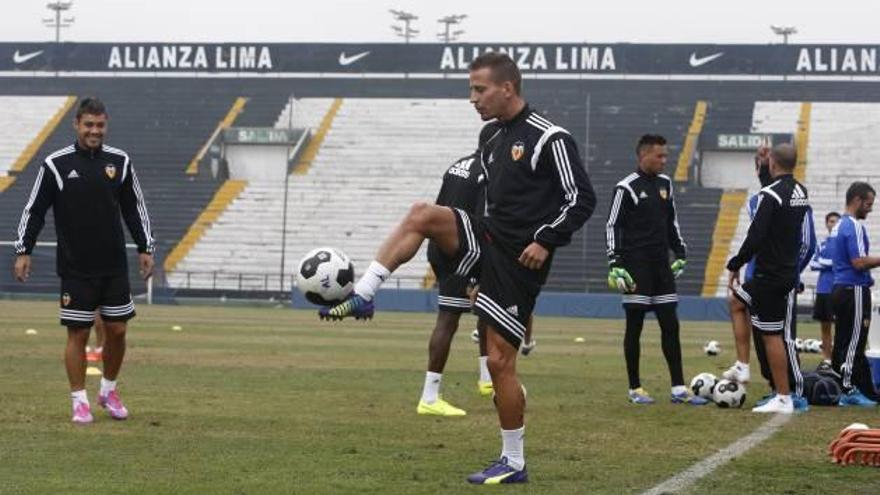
(595, 60)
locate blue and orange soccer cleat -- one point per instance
(355, 306)
(499, 472)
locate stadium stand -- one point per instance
(33, 119)
(376, 158)
(839, 151)
(162, 133)
(165, 122)
(616, 123)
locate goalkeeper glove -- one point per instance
(678, 267)
(620, 279)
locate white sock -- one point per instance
(107, 386)
(785, 399)
(741, 365)
(512, 447)
(371, 280)
(679, 389)
(484, 369)
(827, 361)
(431, 390)
(79, 397)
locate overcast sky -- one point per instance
(637, 21)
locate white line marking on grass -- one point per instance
(703, 468)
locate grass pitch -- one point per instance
(255, 401)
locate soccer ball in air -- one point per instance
(728, 394)
(712, 348)
(703, 385)
(325, 276)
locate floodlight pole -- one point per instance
(447, 36)
(290, 100)
(59, 6)
(784, 31)
(406, 32)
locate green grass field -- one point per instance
(254, 401)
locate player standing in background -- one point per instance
(851, 297)
(538, 195)
(463, 188)
(642, 228)
(823, 310)
(775, 239)
(97, 353)
(91, 188)
(744, 330)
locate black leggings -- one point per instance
(670, 343)
(852, 320)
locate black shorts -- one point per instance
(452, 289)
(771, 306)
(823, 310)
(82, 297)
(508, 289)
(655, 284)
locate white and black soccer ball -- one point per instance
(325, 276)
(729, 394)
(712, 348)
(703, 385)
(799, 344)
(813, 346)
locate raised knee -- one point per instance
(417, 218)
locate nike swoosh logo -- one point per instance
(696, 62)
(18, 58)
(343, 60)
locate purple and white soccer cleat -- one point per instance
(499, 472)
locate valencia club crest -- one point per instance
(517, 150)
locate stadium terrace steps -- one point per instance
(379, 156)
(685, 158)
(616, 122)
(840, 150)
(162, 131)
(318, 135)
(234, 111)
(163, 123)
(34, 119)
(729, 218)
(224, 196)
